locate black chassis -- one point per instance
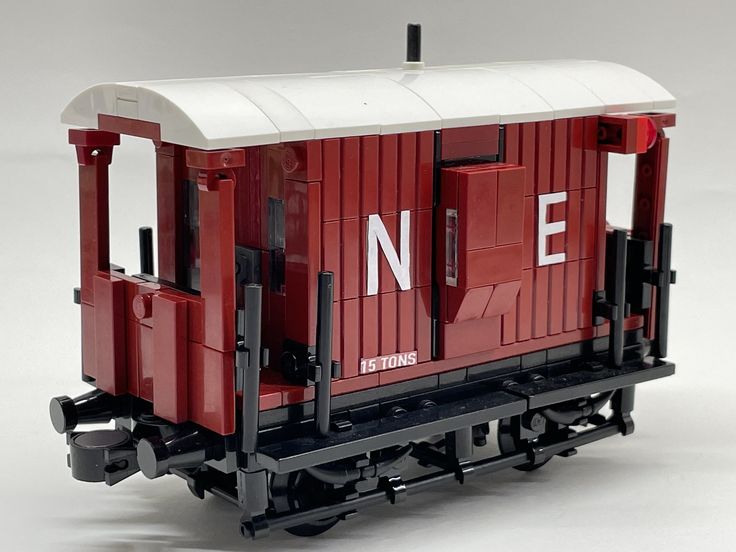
(549, 401)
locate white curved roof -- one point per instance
(227, 112)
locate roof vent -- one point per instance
(413, 47)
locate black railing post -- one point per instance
(249, 363)
(145, 249)
(616, 293)
(664, 278)
(251, 478)
(324, 352)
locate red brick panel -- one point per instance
(89, 364)
(510, 207)
(425, 169)
(389, 174)
(544, 157)
(369, 326)
(332, 254)
(211, 388)
(350, 178)
(302, 215)
(132, 335)
(170, 357)
(302, 161)
(572, 296)
(352, 251)
(217, 275)
(364, 176)
(527, 156)
(170, 201)
(251, 206)
(407, 171)
(369, 175)
(331, 188)
(469, 141)
(350, 325)
(145, 362)
(387, 305)
(575, 154)
(110, 328)
(423, 326)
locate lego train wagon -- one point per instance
(356, 268)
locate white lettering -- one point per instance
(546, 229)
(377, 234)
(387, 362)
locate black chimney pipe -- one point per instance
(413, 42)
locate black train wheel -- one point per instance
(300, 491)
(510, 440)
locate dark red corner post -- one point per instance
(644, 136)
(216, 183)
(649, 195)
(102, 295)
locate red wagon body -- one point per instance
(319, 194)
(352, 246)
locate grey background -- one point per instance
(670, 486)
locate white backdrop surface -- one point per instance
(670, 486)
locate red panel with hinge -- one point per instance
(480, 206)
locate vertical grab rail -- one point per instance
(325, 290)
(248, 360)
(662, 278)
(616, 293)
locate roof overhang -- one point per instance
(229, 112)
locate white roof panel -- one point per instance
(473, 95)
(244, 111)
